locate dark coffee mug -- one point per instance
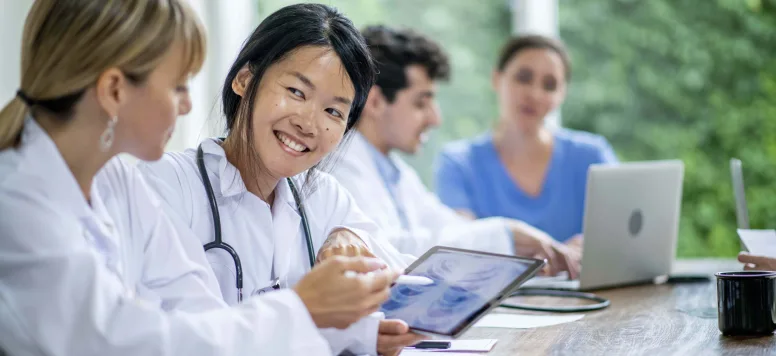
(746, 303)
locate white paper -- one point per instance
(759, 242)
(457, 346)
(524, 321)
(413, 352)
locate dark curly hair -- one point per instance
(395, 49)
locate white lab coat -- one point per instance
(111, 278)
(270, 242)
(430, 222)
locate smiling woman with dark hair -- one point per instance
(292, 96)
(523, 169)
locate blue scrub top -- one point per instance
(470, 175)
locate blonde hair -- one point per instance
(67, 45)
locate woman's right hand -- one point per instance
(532, 242)
(757, 263)
(336, 300)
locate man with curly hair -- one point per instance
(401, 108)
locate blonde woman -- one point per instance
(88, 264)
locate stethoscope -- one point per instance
(218, 242)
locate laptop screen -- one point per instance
(737, 176)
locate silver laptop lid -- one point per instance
(631, 222)
(739, 193)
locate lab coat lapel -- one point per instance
(286, 231)
(42, 159)
(379, 201)
(99, 230)
(105, 235)
(224, 176)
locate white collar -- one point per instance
(41, 159)
(361, 151)
(43, 163)
(230, 180)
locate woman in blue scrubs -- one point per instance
(524, 169)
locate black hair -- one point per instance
(517, 44)
(284, 31)
(395, 49)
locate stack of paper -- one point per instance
(759, 242)
(513, 321)
(524, 321)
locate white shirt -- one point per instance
(410, 216)
(269, 241)
(111, 278)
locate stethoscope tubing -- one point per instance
(218, 242)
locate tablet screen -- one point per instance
(464, 283)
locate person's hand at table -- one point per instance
(576, 243)
(532, 242)
(757, 263)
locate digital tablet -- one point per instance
(467, 285)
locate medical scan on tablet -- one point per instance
(466, 283)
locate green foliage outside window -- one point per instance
(694, 80)
(661, 79)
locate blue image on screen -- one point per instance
(463, 283)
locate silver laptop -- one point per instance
(630, 225)
(739, 193)
(737, 177)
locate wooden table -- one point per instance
(679, 319)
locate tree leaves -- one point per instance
(700, 87)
